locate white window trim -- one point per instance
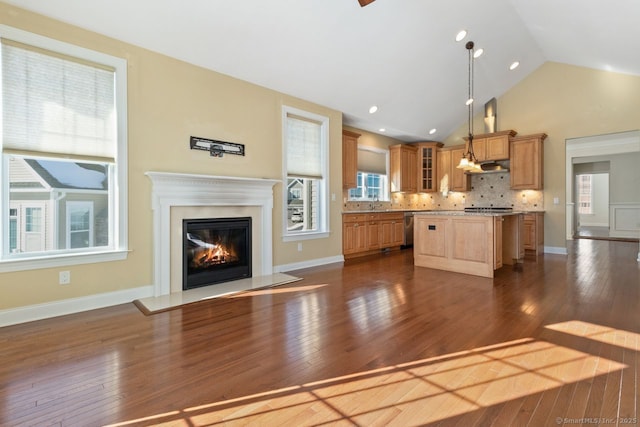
(323, 214)
(119, 249)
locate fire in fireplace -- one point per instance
(215, 250)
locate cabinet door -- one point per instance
(444, 168)
(354, 237)
(349, 159)
(458, 181)
(526, 163)
(529, 234)
(497, 148)
(391, 233)
(386, 234)
(427, 167)
(373, 235)
(403, 163)
(479, 148)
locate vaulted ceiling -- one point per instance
(397, 54)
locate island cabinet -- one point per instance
(403, 164)
(349, 159)
(491, 146)
(447, 172)
(428, 166)
(368, 233)
(470, 244)
(527, 162)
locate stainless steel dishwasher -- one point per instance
(408, 228)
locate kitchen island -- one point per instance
(476, 243)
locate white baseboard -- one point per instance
(30, 313)
(306, 264)
(594, 224)
(555, 250)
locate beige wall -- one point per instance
(168, 101)
(564, 102)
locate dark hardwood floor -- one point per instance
(375, 342)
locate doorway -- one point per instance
(592, 202)
(622, 152)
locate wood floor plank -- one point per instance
(376, 341)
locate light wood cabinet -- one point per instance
(527, 162)
(492, 146)
(447, 162)
(374, 230)
(368, 233)
(403, 164)
(458, 180)
(471, 244)
(349, 159)
(533, 232)
(443, 158)
(354, 234)
(392, 230)
(428, 166)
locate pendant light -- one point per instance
(469, 162)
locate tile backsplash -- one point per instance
(487, 190)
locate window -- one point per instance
(371, 186)
(585, 194)
(63, 144)
(80, 225)
(305, 168)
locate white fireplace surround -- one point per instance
(184, 190)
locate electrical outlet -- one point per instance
(65, 277)
(299, 247)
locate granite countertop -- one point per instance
(463, 213)
(440, 212)
(380, 211)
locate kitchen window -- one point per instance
(63, 145)
(371, 187)
(372, 178)
(305, 159)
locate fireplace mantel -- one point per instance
(177, 189)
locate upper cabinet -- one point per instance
(492, 146)
(527, 162)
(448, 174)
(349, 159)
(427, 166)
(403, 161)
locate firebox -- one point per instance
(215, 250)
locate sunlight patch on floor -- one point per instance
(420, 391)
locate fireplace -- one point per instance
(215, 250)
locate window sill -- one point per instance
(305, 236)
(61, 260)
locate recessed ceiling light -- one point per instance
(478, 52)
(514, 65)
(461, 35)
(432, 131)
(382, 130)
(373, 109)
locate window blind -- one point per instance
(52, 103)
(372, 162)
(304, 155)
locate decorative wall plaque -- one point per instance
(216, 148)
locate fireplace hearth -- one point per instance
(215, 250)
